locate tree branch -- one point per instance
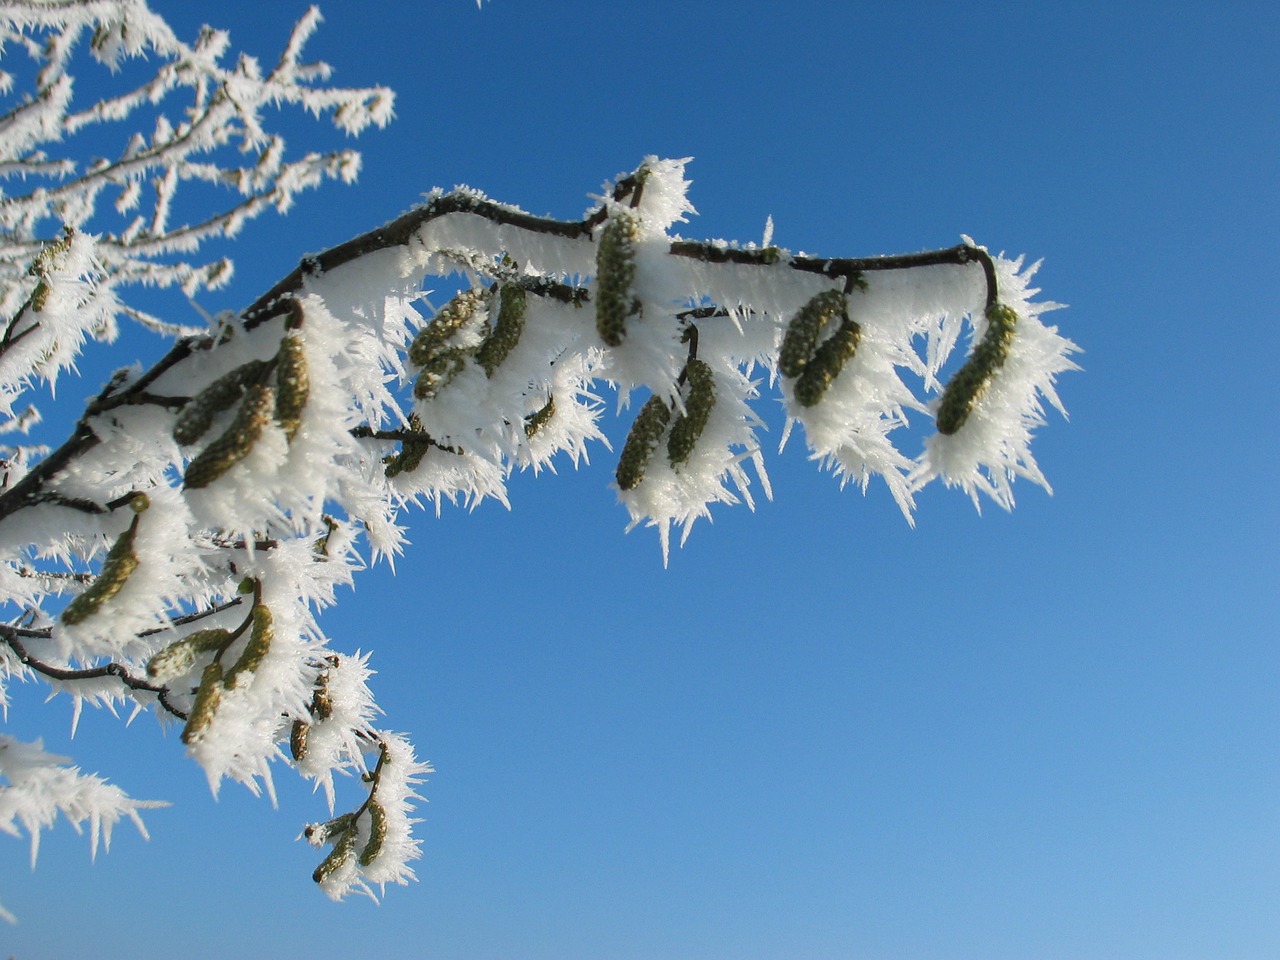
(12, 637)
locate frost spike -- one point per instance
(971, 381)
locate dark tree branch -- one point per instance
(11, 636)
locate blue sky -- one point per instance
(819, 733)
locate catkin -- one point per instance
(318, 833)
(412, 450)
(256, 648)
(828, 360)
(801, 338)
(450, 318)
(972, 380)
(689, 425)
(439, 370)
(236, 443)
(539, 418)
(512, 302)
(338, 856)
(321, 700)
(208, 695)
(197, 416)
(40, 266)
(117, 566)
(615, 298)
(298, 735)
(377, 833)
(293, 384)
(643, 439)
(180, 656)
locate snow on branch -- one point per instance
(176, 548)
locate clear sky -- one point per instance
(819, 733)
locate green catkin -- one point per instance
(257, 646)
(828, 360)
(689, 425)
(643, 439)
(438, 372)
(293, 385)
(616, 302)
(377, 833)
(512, 302)
(318, 833)
(412, 450)
(450, 319)
(117, 566)
(539, 418)
(972, 380)
(801, 338)
(197, 416)
(339, 855)
(208, 695)
(40, 266)
(180, 656)
(235, 444)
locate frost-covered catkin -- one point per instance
(256, 649)
(180, 656)
(435, 349)
(539, 418)
(689, 425)
(506, 333)
(197, 416)
(377, 833)
(971, 381)
(828, 360)
(120, 563)
(292, 383)
(255, 412)
(208, 696)
(801, 338)
(339, 855)
(412, 449)
(643, 439)
(616, 302)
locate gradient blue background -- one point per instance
(819, 734)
